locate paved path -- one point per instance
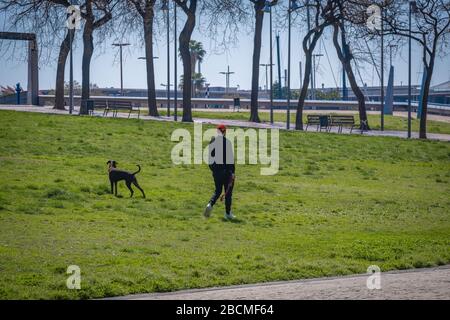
(403, 114)
(236, 123)
(431, 283)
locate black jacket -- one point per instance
(221, 161)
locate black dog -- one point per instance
(116, 175)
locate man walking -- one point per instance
(221, 163)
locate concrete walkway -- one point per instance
(235, 123)
(416, 284)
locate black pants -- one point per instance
(222, 181)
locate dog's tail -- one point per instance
(138, 170)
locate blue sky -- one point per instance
(105, 66)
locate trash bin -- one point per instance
(324, 123)
(237, 103)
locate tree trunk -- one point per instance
(193, 62)
(148, 36)
(303, 91)
(426, 93)
(185, 38)
(60, 71)
(259, 19)
(88, 50)
(346, 62)
(316, 34)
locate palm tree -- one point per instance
(198, 82)
(197, 54)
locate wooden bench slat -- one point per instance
(115, 106)
(343, 120)
(319, 121)
(332, 120)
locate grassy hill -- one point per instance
(338, 205)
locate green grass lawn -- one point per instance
(391, 122)
(338, 205)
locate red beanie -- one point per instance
(221, 127)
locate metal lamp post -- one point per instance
(71, 74)
(382, 70)
(266, 65)
(175, 87)
(314, 73)
(391, 46)
(268, 9)
(71, 34)
(227, 78)
(308, 23)
(120, 45)
(293, 5)
(412, 8)
(165, 7)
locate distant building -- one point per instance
(438, 94)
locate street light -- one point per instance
(71, 64)
(144, 58)
(71, 74)
(165, 7)
(227, 78)
(267, 5)
(314, 73)
(293, 5)
(412, 8)
(268, 9)
(175, 61)
(308, 23)
(266, 65)
(390, 53)
(120, 45)
(382, 70)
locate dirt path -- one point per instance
(431, 283)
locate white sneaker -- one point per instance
(229, 216)
(208, 210)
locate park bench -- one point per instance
(321, 121)
(90, 105)
(97, 104)
(342, 121)
(116, 106)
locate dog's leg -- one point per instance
(137, 186)
(112, 186)
(128, 183)
(115, 184)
